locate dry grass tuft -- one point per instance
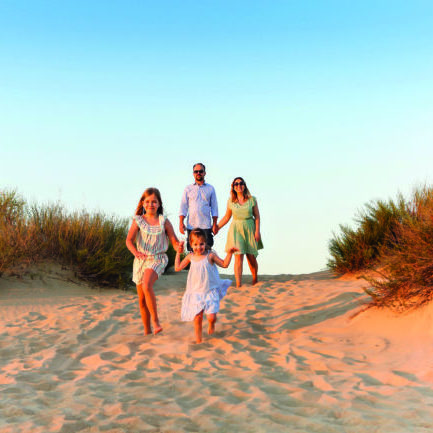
(358, 249)
(403, 250)
(407, 276)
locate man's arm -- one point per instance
(214, 211)
(182, 227)
(215, 228)
(183, 211)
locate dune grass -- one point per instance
(406, 278)
(356, 249)
(92, 244)
(395, 239)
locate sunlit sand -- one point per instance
(286, 355)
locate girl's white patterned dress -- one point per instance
(152, 241)
(204, 289)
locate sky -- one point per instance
(321, 106)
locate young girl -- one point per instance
(150, 231)
(204, 287)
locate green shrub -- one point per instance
(406, 279)
(92, 244)
(394, 241)
(358, 249)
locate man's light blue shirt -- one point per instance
(199, 204)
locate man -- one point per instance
(199, 203)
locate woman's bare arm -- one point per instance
(225, 219)
(256, 214)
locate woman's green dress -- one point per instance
(242, 229)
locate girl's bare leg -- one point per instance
(211, 318)
(149, 278)
(145, 314)
(198, 327)
(239, 261)
(254, 267)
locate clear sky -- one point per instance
(320, 105)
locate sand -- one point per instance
(287, 356)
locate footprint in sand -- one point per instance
(33, 316)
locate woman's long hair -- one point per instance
(246, 192)
(147, 192)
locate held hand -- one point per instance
(257, 237)
(233, 250)
(215, 229)
(140, 256)
(180, 247)
(182, 228)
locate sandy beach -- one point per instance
(288, 356)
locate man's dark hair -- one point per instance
(199, 163)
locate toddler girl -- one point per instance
(204, 287)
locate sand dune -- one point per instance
(287, 357)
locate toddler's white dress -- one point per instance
(204, 289)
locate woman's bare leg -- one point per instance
(149, 278)
(144, 311)
(239, 261)
(254, 267)
(198, 327)
(211, 318)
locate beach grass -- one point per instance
(406, 279)
(92, 244)
(395, 241)
(355, 249)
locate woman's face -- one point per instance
(151, 204)
(238, 185)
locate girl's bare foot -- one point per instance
(157, 329)
(254, 281)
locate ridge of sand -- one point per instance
(286, 356)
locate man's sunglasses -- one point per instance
(239, 184)
(198, 171)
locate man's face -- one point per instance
(199, 173)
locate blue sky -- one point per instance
(320, 106)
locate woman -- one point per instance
(244, 231)
(150, 232)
